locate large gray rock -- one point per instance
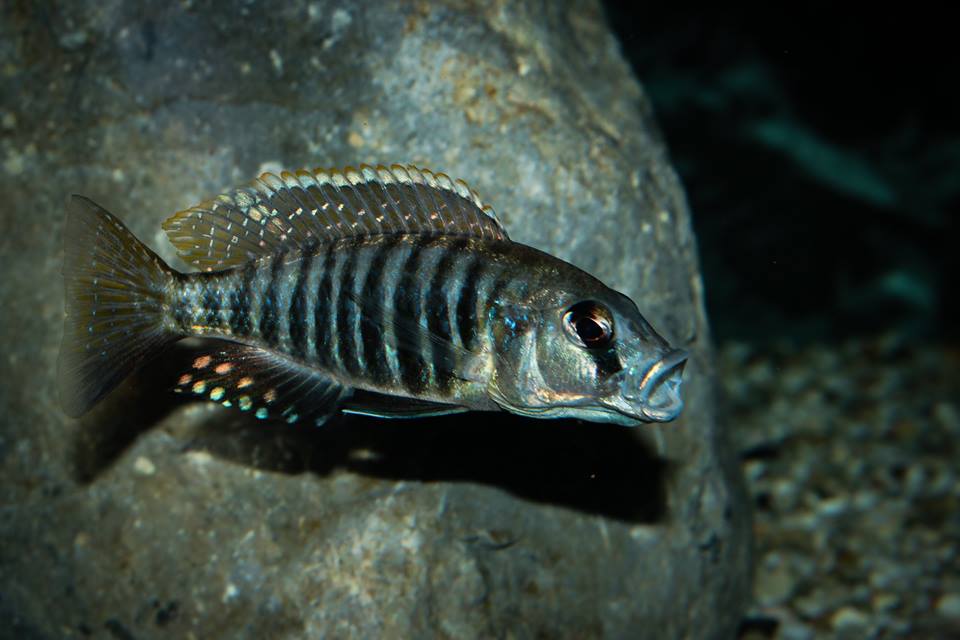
(155, 518)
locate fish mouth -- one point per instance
(659, 397)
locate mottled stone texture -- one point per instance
(156, 518)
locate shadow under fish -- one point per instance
(598, 469)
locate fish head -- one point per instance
(594, 357)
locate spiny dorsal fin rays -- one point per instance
(294, 210)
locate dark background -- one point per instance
(820, 153)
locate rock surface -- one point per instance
(155, 518)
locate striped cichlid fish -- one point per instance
(390, 292)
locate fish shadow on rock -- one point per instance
(600, 469)
(139, 403)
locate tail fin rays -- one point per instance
(115, 294)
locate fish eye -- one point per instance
(589, 324)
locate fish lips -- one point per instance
(654, 394)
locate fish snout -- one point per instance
(657, 395)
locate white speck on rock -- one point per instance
(523, 66)
(199, 457)
(144, 466)
(341, 20)
(230, 592)
(276, 60)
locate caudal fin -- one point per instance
(115, 291)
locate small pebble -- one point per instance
(885, 601)
(946, 414)
(774, 586)
(74, 39)
(834, 506)
(795, 631)
(812, 605)
(848, 618)
(948, 606)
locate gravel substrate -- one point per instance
(849, 452)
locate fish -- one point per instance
(384, 291)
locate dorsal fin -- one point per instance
(293, 210)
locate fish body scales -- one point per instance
(352, 309)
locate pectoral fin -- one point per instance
(379, 405)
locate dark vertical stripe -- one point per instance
(406, 305)
(269, 313)
(211, 302)
(607, 362)
(180, 311)
(298, 304)
(500, 283)
(371, 321)
(346, 314)
(180, 315)
(438, 318)
(321, 312)
(240, 301)
(467, 304)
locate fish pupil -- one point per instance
(589, 330)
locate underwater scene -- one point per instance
(447, 319)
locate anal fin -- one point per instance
(259, 382)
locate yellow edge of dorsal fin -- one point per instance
(304, 207)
